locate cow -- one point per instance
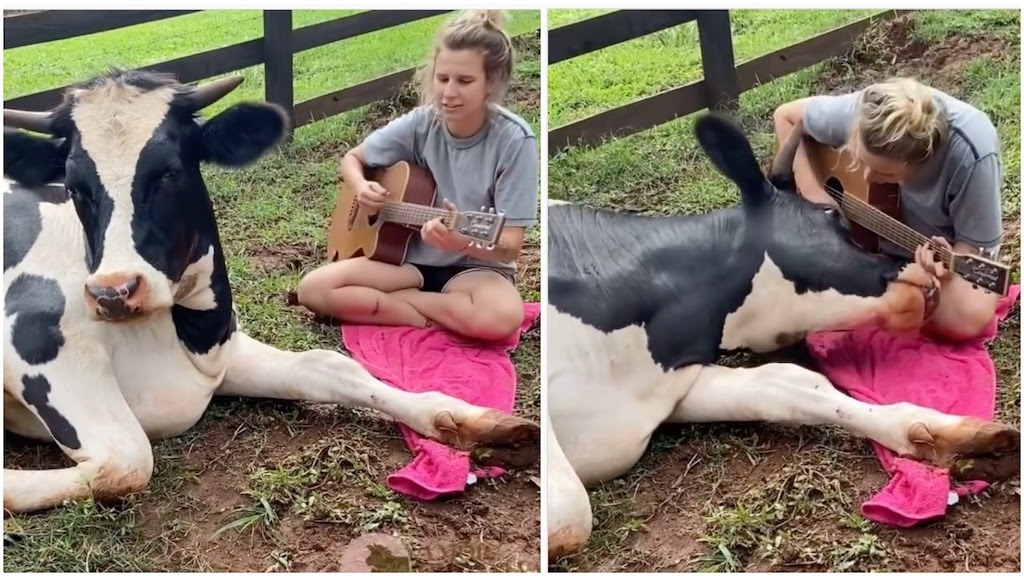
(119, 323)
(641, 307)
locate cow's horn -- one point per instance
(783, 163)
(34, 121)
(207, 94)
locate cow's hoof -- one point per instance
(974, 449)
(494, 437)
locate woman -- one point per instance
(944, 154)
(480, 155)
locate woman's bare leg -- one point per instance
(359, 291)
(479, 304)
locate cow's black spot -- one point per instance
(37, 394)
(94, 205)
(612, 270)
(23, 221)
(39, 305)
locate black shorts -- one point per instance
(436, 278)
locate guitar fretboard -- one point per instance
(886, 226)
(410, 214)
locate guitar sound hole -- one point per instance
(834, 184)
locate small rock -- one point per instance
(375, 553)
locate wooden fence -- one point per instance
(274, 50)
(723, 79)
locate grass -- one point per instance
(764, 497)
(264, 481)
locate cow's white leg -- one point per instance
(570, 518)
(258, 370)
(87, 416)
(791, 394)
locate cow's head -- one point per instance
(810, 243)
(128, 147)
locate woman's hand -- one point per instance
(371, 196)
(925, 258)
(436, 234)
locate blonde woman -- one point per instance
(480, 155)
(944, 154)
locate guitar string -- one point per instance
(906, 237)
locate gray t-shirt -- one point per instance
(956, 193)
(496, 167)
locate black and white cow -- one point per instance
(640, 307)
(118, 320)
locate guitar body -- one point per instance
(834, 169)
(353, 233)
(873, 212)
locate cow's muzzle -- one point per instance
(116, 297)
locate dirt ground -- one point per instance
(750, 487)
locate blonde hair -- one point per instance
(899, 119)
(481, 30)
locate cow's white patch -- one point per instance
(193, 290)
(116, 121)
(606, 395)
(774, 308)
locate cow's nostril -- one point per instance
(129, 288)
(114, 291)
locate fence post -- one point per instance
(277, 59)
(720, 78)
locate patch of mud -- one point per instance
(890, 49)
(441, 536)
(282, 257)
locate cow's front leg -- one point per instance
(86, 415)
(570, 517)
(258, 370)
(790, 394)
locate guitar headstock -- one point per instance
(483, 227)
(983, 273)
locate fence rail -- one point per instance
(723, 80)
(275, 50)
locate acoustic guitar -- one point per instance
(873, 212)
(385, 236)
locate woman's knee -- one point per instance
(314, 288)
(493, 323)
(964, 319)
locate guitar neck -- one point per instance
(409, 214)
(886, 226)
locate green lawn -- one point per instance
(266, 463)
(763, 497)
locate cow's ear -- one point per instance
(731, 154)
(33, 160)
(243, 133)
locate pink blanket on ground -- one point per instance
(433, 359)
(877, 367)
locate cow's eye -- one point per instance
(170, 176)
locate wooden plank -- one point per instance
(629, 119)
(218, 61)
(717, 59)
(808, 52)
(606, 30)
(277, 57)
(359, 95)
(50, 25)
(187, 68)
(351, 98)
(656, 110)
(356, 25)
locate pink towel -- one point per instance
(434, 359)
(874, 366)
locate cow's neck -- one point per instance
(203, 312)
